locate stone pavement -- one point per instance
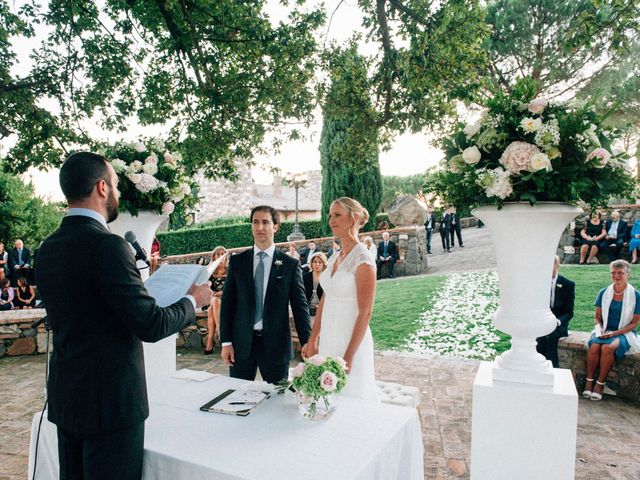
(477, 253)
(608, 431)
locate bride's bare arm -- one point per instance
(311, 348)
(366, 291)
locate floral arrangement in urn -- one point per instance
(151, 177)
(315, 379)
(525, 148)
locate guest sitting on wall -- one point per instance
(335, 248)
(19, 261)
(25, 295)
(309, 251)
(311, 281)
(387, 254)
(293, 251)
(371, 247)
(6, 295)
(591, 235)
(4, 259)
(217, 280)
(634, 241)
(614, 240)
(617, 316)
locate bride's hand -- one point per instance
(348, 359)
(309, 350)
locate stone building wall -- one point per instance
(224, 198)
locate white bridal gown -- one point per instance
(338, 319)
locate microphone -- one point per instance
(140, 253)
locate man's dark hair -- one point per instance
(275, 216)
(79, 174)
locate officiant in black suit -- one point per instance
(563, 292)
(99, 311)
(254, 316)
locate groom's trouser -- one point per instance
(271, 372)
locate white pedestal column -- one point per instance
(159, 357)
(522, 431)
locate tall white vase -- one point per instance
(159, 357)
(525, 240)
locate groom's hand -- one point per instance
(228, 356)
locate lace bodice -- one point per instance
(356, 257)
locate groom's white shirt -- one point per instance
(268, 261)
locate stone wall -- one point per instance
(224, 198)
(624, 379)
(16, 335)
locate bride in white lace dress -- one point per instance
(342, 317)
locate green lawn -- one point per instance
(398, 306)
(400, 302)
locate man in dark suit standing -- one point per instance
(563, 293)
(429, 225)
(99, 312)
(616, 234)
(455, 227)
(387, 253)
(445, 228)
(254, 317)
(19, 262)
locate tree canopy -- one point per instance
(220, 73)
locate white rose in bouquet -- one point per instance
(471, 155)
(119, 165)
(150, 168)
(136, 166)
(602, 155)
(153, 158)
(168, 208)
(530, 125)
(138, 147)
(169, 158)
(540, 161)
(471, 129)
(537, 105)
(186, 189)
(134, 177)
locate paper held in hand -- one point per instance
(599, 331)
(170, 283)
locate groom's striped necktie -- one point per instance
(258, 280)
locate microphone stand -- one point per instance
(47, 327)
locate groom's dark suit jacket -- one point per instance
(99, 311)
(562, 308)
(237, 310)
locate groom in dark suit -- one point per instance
(99, 311)
(563, 292)
(254, 316)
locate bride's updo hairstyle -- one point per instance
(354, 207)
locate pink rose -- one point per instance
(602, 154)
(298, 371)
(537, 105)
(341, 362)
(168, 208)
(316, 360)
(151, 159)
(328, 381)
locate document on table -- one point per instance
(235, 402)
(194, 375)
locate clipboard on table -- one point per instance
(236, 402)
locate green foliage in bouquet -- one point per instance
(525, 149)
(150, 177)
(318, 377)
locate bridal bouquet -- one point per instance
(315, 379)
(150, 177)
(525, 148)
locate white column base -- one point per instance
(160, 357)
(523, 431)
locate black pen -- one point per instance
(242, 403)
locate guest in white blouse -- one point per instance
(371, 247)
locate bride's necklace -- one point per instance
(616, 293)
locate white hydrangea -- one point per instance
(150, 168)
(118, 165)
(147, 183)
(530, 125)
(136, 166)
(496, 183)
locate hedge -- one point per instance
(192, 240)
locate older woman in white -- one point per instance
(616, 318)
(371, 247)
(341, 327)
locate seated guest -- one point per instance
(307, 253)
(590, 237)
(617, 316)
(614, 239)
(6, 295)
(4, 259)
(293, 252)
(371, 248)
(154, 257)
(217, 280)
(25, 295)
(335, 247)
(634, 241)
(311, 281)
(387, 254)
(563, 293)
(19, 261)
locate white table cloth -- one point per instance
(361, 440)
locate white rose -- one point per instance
(138, 147)
(153, 158)
(168, 158)
(537, 105)
(316, 360)
(168, 208)
(471, 155)
(134, 177)
(118, 165)
(136, 166)
(471, 129)
(540, 161)
(177, 196)
(186, 189)
(530, 125)
(150, 168)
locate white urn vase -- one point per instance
(159, 357)
(525, 239)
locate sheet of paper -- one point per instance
(194, 375)
(238, 401)
(170, 283)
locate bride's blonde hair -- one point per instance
(353, 207)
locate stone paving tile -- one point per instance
(608, 431)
